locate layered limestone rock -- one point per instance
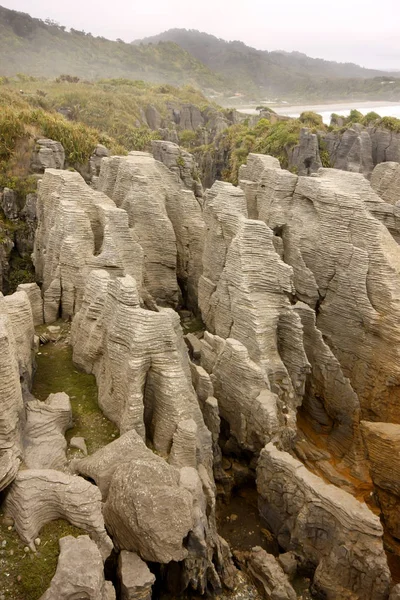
(47, 154)
(385, 180)
(141, 365)
(80, 572)
(166, 220)
(346, 266)
(32, 290)
(305, 157)
(268, 574)
(140, 362)
(46, 423)
(38, 496)
(330, 404)
(325, 526)
(180, 162)
(136, 579)
(16, 342)
(256, 357)
(79, 230)
(383, 446)
(351, 151)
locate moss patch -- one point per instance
(27, 575)
(57, 373)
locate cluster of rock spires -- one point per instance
(297, 281)
(357, 149)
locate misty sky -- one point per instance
(361, 31)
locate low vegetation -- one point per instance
(24, 574)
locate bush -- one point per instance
(311, 119)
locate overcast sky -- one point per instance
(361, 31)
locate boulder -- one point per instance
(269, 575)
(146, 510)
(47, 154)
(80, 572)
(136, 579)
(288, 562)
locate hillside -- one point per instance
(29, 45)
(278, 73)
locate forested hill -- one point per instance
(276, 72)
(222, 70)
(38, 48)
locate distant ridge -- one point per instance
(276, 71)
(228, 72)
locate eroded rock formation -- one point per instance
(165, 219)
(16, 341)
(325, 526)
(80, 572)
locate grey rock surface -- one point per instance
(16, 343)
(324, 525)
(47, 154)
(79, 230)
(267, 572)
(38, 496)
(32, 290)
(46, 423)
(136, 579)
(165, 219)
(80, 572)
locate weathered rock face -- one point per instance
(38, 496)
(383, 446)
(324, 525)
(351, 151)
(79, 229)
(244, 295)
(136, 579)
(9, 204)
(46, 423)
(267, 572)
(47, 154)
(346, 265)
(165, 219)
(385, 181)
(80, 572)
(305, 156)
(16, 342)
(32, 290)
(99, 153)
(142, 371)
(180, 162)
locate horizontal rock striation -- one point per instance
(38, 496)
(325, 526)
(79, 230)
(16, 343)
(166, 220)
(345, 265)
(46, 423)
(256, 357)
